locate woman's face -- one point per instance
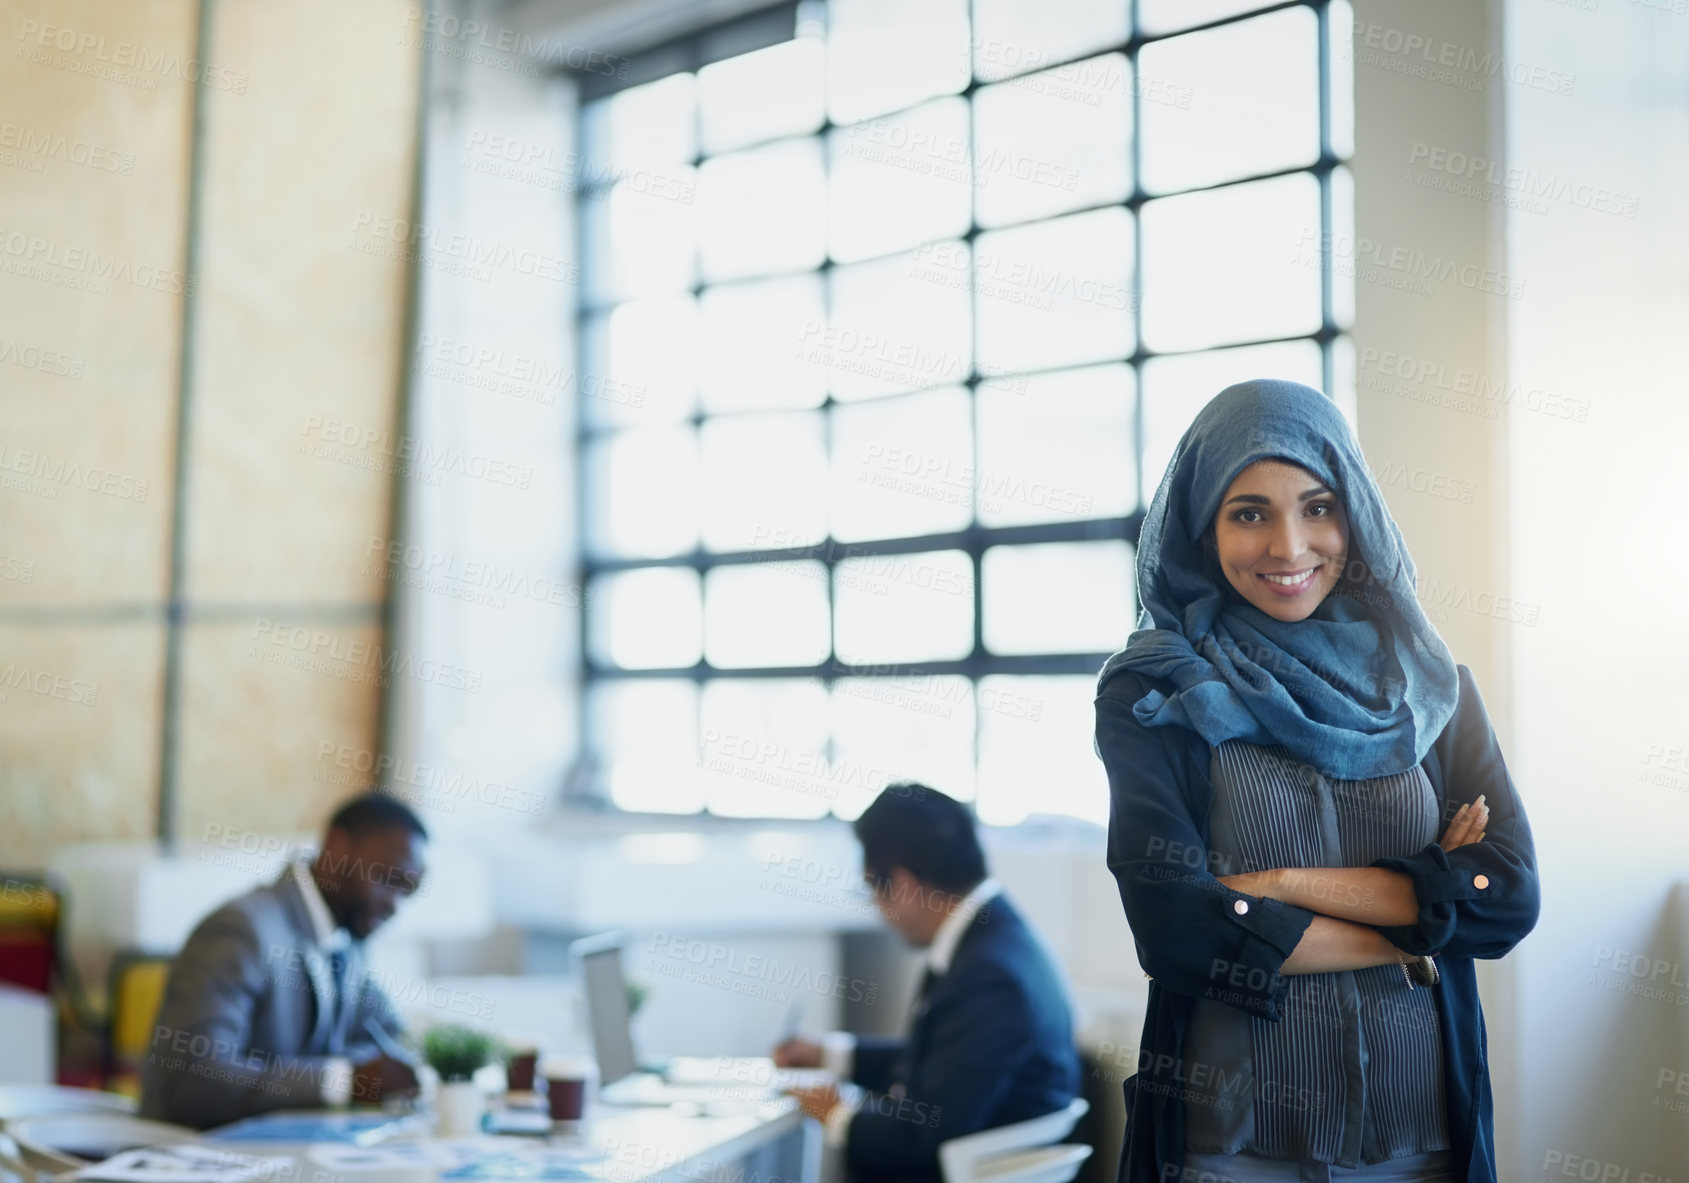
(1282, 538)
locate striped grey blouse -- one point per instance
(1352, 1073)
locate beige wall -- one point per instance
(308, 118)
(1565, 584)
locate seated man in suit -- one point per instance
(991, 1039)
(268, 1005)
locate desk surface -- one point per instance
(649, 1144)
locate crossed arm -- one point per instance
(1351, 903)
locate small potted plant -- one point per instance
(457, 1053)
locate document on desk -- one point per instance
(466, 1158)
(182, 1164)
(358, 1129)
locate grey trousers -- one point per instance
(1435, 1167)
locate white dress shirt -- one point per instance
(337, 1071)
(838, 1048)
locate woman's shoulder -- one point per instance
(1129, 685)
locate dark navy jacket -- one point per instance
(993, 1045)
(1476, 901)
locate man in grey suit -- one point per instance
(269, 1005)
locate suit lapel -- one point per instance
(316, 965)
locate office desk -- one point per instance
(729, 1143)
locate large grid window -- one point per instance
(904, 308)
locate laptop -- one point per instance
(625, 1079)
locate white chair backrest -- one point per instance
(962, 1159)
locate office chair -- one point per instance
(1026, 1152)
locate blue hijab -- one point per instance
(1358, 689)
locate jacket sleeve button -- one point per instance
(1240, 907)
(1480, 881)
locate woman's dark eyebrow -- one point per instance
(1257, 499)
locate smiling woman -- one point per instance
(1307, 803)
(1280, 539)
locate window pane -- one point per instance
(900, 180)
(1167, 16)
(765, 481)
(766, 614)
(747, 336)
(646, 733)
(649, 619)
(1043, 147)
(902, 727)
(884, 55)
(1232, 264)
(637, 512)
(1016, 36)
(1055, 293)
(1340, 61)
(1254, 101)
(1058, 597)
(1060, 451)
(763, 748)
(640, 238)
(1176, 388)
(916, 607)
(643, 126)
(1035, 753)
(898, 324)
(761, 211)
(775, 91)
(642, 361)
(902, 466)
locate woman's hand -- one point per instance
(1467, 826)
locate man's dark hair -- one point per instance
(926, 833)
(369, 812)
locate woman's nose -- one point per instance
(1285, 542)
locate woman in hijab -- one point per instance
(1312, 827)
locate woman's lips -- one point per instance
(1303, 581)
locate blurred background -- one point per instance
(635, 431)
